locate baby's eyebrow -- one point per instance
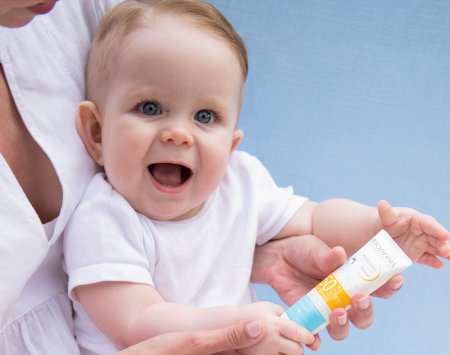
(141, 90)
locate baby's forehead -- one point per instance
(118, 26)
(167, 23)
(167, 48)
(173, 30)
(176, 28)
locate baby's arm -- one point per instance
(337, 222)
(351, 224)
(129, 313)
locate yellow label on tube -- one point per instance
(332, 292)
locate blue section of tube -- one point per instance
(305, 313)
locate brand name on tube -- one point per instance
(383, 253)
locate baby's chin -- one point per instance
(173, 215)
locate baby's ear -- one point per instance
(90, 129)
(237, 138)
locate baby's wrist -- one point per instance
(242, 314)
(377, 225)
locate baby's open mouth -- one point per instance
(168, 174)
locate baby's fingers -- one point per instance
(431, 261)
(441, 248)
(433, 228)
(289, 347)
(388, 214)
(437, 247)
(295, 332)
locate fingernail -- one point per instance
(253, 329)
(342, 319)
(364, 303)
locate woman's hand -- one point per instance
(283, 336)
(206, 342)
(293, 266)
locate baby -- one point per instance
(163, 239)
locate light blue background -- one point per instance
(351, 99)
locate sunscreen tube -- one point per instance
(368, 269)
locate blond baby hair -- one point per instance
(134, 14)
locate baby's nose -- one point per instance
(177, 135)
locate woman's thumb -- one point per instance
(237, 336)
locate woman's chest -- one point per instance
(26, 160)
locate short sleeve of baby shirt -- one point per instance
(274, 205)
(104, 240)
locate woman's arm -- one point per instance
(201, 342)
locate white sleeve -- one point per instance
(104, 241)
(276, 205)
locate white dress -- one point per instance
(203, 261)
(44, 66)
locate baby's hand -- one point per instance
(420, 236)
(282, 335)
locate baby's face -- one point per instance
(169, 118)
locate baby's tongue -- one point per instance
(167, 174)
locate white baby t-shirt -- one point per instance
(205, 260)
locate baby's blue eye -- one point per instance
(149, 108)
(205, 116)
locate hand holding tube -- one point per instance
(368, 269)
(293, 266)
